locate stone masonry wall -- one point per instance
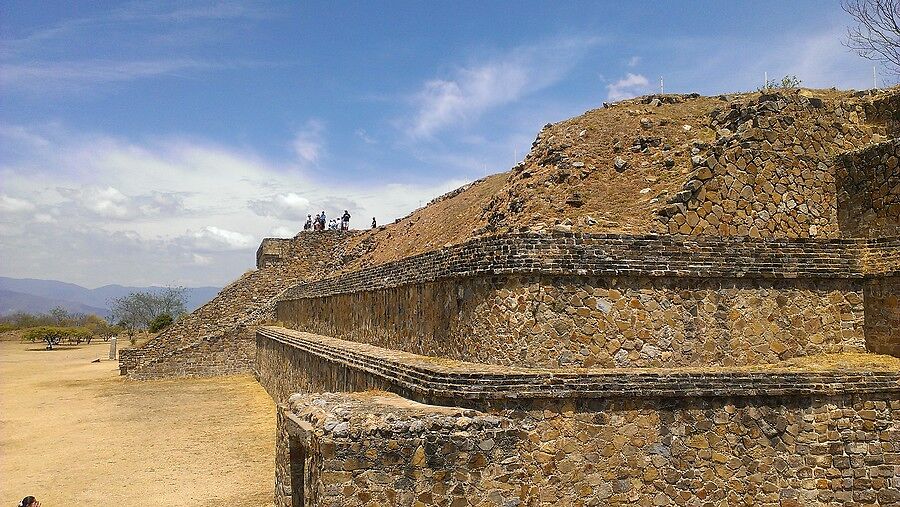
(621, 255)
(882, 323)
(770, 172)
(768, 451)
(655, 438)
(248, 301)
(626, 301)
(545, 321)
(868, 183)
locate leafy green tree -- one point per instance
(51, 335)
(161, 322)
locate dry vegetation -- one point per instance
(73, 433)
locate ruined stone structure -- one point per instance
(218, 338)
(501, 328)
(725, 361)
(741, 349)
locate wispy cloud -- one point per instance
(629, 86)
(309, 142)
(149, 39)
(472, 90)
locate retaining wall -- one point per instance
(776, 170)
(592, 437)
(607, 300)
(868, 182)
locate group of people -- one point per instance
(321, 222)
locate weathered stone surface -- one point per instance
(751, 444)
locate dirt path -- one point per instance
(74, 433)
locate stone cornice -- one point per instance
(568, 254)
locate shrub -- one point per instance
(160, 322)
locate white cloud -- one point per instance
(38, 76)
(9, 204)
(365, 137)
(212, 238)
(289, 206)
(309, 143)
(283, 232)
(472, 90)
(110, 203)
(629, 86)
(201, 260)
(634, 61)
(44, 218)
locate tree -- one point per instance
(876, 34)
(161, 322)
(138, 309)
(49, 334)
(98, 326)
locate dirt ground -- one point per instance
(74, 433)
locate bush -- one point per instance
(785, 83)
(159, 323)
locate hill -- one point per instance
(14, 302)
(33, 295)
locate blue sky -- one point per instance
(158, 142)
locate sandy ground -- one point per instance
(74, 433)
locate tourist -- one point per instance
(345, 221)
(374, 225)
(322, 220)
(308, 225)
(29, 501)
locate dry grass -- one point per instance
(74, 433)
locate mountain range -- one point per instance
(38, 296)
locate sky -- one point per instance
(159, 142)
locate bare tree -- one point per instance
(876, 35)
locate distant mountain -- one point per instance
(62, 294)
(12, 302)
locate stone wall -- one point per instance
(607, 300)
(291, 361)
(770, 171)
(547, 321)
(834, 450)
(246, 302)
(567, 254)
(566, 438)
(882, 324)
(868, 183)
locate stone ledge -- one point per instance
(443, 379)
(564, 254)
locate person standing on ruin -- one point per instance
(374, 225)
(345, 221)
(322, 220)
(308, 225)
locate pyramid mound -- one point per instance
(753, 164)
(783, 164)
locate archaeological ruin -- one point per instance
(673, 300)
